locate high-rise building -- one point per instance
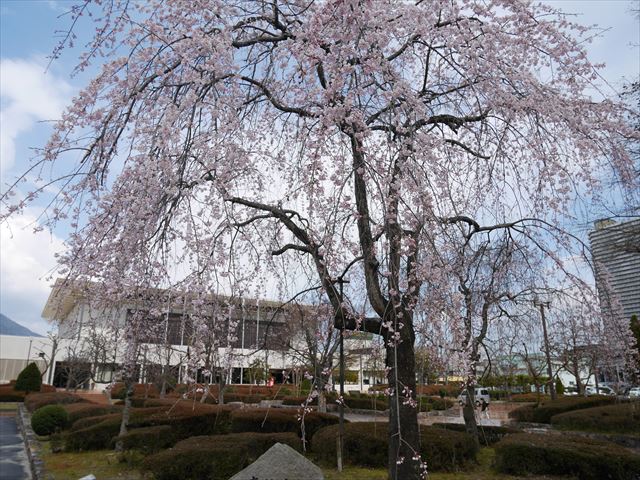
(616, 254)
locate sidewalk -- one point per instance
(14, 463)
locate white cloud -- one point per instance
(29, 94)
(26, 260)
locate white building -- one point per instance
(249, 336)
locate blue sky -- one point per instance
(32, 96)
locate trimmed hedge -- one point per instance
(587, 459)
(434, 403)
(448, 390)
(268, 420)
(367, 402)
(299, 401)
(80, 410)
(8, 394)
(95, 437)
(139, 390)
(239, 397)
(366, 445)
(529, 397)
(35, 400)
(488, 435)
(49, 419)
(215, 457)
(620, 418)
(94, 433)
(148, 439)
(543, 412)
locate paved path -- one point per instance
(496, 415)
(14, 463)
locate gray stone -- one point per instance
(88, 477)
(280, 462)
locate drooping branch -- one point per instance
(343, 315)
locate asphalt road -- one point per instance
(14, 464)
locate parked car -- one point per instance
(633, 393)
(600, 391)
(571, 391)
(480, 395)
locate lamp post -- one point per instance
(542, 305)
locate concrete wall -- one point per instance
(17, 351)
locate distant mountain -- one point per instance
(9, 327)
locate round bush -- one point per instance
(29, 379)
(49, 419)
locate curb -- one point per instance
(31, 444)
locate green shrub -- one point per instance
(366, 445)
(488, 435)
(619, 418)
(148, 439)
(49, 419)
(35, 400)
(559, 387)
(587, 459)
(29, 379)
(269, 420)
(215, 457)
(543, 412)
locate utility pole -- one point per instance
(552, 387)
(341, 281)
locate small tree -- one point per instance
(29, 379)
(559, 387)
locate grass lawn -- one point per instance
(104, 465)
(482, 471)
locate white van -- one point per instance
(480, 395)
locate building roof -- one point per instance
(66, 294)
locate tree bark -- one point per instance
(469, 415)
(126, 412)
(404, 433)
(322, 402)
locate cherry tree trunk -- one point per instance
(404, 433)
(469, 415)
(126, 412)
(322, 402)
